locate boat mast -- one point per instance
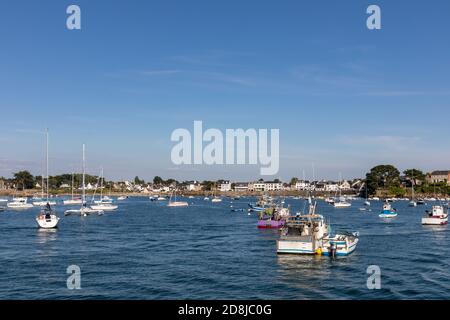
(72, 184)
(46, 159)
(83, 182)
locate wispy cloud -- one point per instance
(159, 72)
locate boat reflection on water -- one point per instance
(46, 235)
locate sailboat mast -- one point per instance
(83, 182)
(72, 184)
(46, 159)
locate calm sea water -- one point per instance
(145, 250)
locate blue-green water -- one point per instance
(145, 250)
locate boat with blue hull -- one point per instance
(388, 212)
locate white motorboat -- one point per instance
(413, 204)
(437, 216)
(3, 200)
(19, 204)
(206, 199)
(121, 198)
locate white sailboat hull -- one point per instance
(47, 223)
(178, 204)
(104, 207)
(72, 202)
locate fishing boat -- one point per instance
(47, 218)
(437, 216)
(84, 210)
(19, 204)
(310, 235)
(176, 203)
(273, 217)
(388, 212)
(73, 200)
(105, 202)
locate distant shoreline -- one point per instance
(284, 193)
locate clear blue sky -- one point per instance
(343, 97)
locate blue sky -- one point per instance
(343, 97)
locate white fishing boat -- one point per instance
(84, 210)
(437, 216)
(388, 212)
(47, 218)
(310, 235)
(19, 203)
(176, 203)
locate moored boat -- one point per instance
(310, 235)
(388, 212)
(19, 203)
(437, 216)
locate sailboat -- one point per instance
(84, 210)
(413, 202)
(19, 203)
(47, 218)
(105, 203)
(73, 200)
(177, 203)
(367, 202)
(42, 202)
(342, 202)
(215, 198)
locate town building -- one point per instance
(241, 186)
(224, 186)
(439, 177)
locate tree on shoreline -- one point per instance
(382, 176)
(23, 180)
